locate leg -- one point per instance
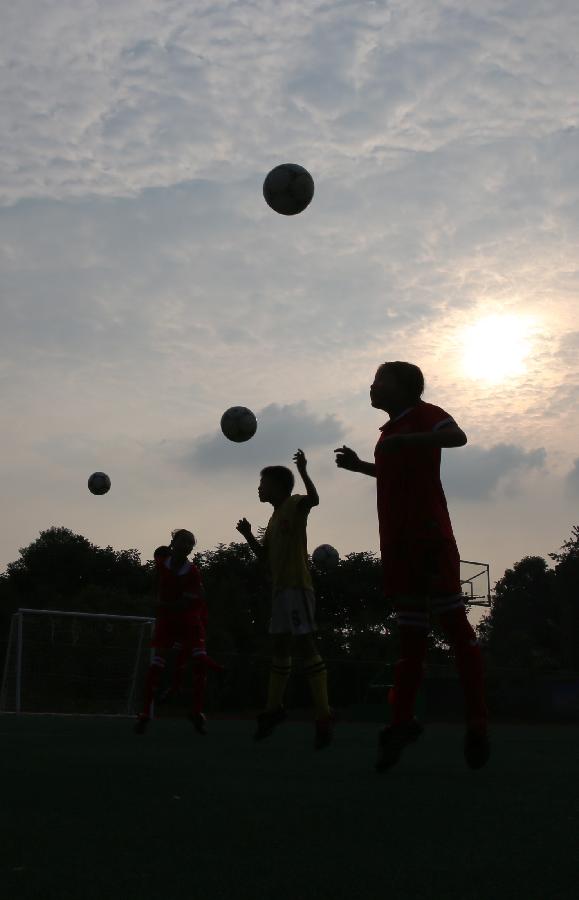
(469, 662)
(280, 670)
(414, 627)
(152, 680)
(174, 672)
(199, 682)
(315, 669)
(274, 712)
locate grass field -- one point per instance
(91, 810)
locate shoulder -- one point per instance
(290, 505)
(301, 503)
(432, 417)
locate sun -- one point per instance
(495, 348)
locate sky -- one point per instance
(146, 286)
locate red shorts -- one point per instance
(187, 631)
(421, 567)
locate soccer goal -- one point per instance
(75, 662)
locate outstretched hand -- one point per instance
(301, 462)
(346, 458)
(244, 527)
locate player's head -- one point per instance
(396, 385)
(276, 484)
(182, 541)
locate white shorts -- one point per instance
(293, 611)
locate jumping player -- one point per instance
(293, 604)
(180, 624)
(420, 559)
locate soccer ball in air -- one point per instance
(288, 189)
(238, 424)
(99, 483)
(326, 557)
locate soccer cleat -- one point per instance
(266, 722)
(199, 722)
(392, 740)
(477, 748)
(324, 731)
(141, 724)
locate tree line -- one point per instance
(533, 621)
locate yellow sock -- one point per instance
(315, 669)
(278, 679)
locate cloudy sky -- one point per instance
(146, 286)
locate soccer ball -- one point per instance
(288, 189)
(238, 424)
(325, 557)
(99, 483)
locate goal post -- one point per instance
(75, 662)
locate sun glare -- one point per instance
(495, 348)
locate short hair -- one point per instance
(179, 531)
(162, 551)
(282, 476)
(408, 376)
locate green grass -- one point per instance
(91, 810)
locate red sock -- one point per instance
(408, 672)
(469, 662)
(199, 681)
(151, 682)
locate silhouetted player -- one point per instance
(181, 623)
(293, 602)
(420, 559)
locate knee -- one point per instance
(306, 646)
(458, 630)
(282, 646)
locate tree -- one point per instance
(566, 600)
(63, 570)
(534, 617)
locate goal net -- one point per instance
(73, 662)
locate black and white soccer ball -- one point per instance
(238, 424)
(325, 557)
(99, 483)
(288, 189)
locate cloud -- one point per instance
(146, 286)
(572, 480)
(281, 430)
(479, 474)
(102, 101)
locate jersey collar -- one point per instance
(184, 568)
(390, 421)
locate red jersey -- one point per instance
(416, 535)
(183, 584)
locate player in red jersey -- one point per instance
(181, 623)
(420, 559)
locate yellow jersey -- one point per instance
(285, 543)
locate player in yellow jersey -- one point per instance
(284, 548)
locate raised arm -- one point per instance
(301, 462)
